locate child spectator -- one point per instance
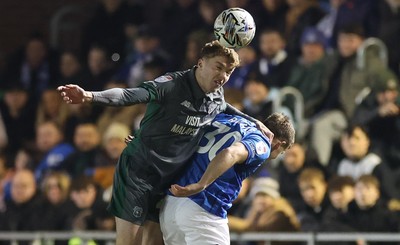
(341, 193)
(360, 160)
(313, 188)
(297, 158)
(367, 213)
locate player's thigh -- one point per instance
(126, 231)
(198, 225)
(133, 198)
(152, 234)
(207, 231)
(170, 231)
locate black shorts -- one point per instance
(134, 198)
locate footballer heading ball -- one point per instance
(234, 28)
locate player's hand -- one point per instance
(73, 94)
(185, 191)
(128, 139)
(265, 130)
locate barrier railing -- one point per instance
(48, 238)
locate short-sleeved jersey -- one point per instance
(170, 131)
(226, 129)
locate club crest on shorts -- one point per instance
(137, 211)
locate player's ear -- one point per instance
(276, 144)
(200, 62)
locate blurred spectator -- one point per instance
(367, 213)
(209, 10)
(183, 17)
(24, 158)
(18, 116)
(52, 108)
(98, 71)
(3, 133)
(6, 174)
(271, 15)
(195, 42)
(301, 14)
(52, 149)
(268, 211)
(113, 23)
(56, 209)
(90, 209)
(345, 85)
(341, 193)
(274, 64)
(379, 112)
(87, 141)
(35, 66)
(327, 24)
(23, 210)
(79, 113)
(256, 102)
(358, 12)
(248, 57)
(113, 144)
(360, 160)
(297, 158)
(389, 31)
(70, 68)
(154, 67)
(311, 72)
(313, 189)
(146, 47)
(235, 97)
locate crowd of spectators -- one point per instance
(57, 160)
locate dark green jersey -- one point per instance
(177, 110)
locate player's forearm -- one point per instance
(121, 97)
(218, 166)
(224, 160)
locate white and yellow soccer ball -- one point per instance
(234, 28)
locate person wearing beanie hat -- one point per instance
(384, 81)
(116, 131)
(312, 35)
(379, 112)
(265, 185)
(310, 73)
(113, 143)
(268, 210)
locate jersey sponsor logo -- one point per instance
(193, 121)
(163, 79)
(261, 148)
(186, 104)
(137, 211)
(179, 129)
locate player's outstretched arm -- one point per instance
(236, 153)
(73, 94)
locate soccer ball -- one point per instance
(234, 28)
